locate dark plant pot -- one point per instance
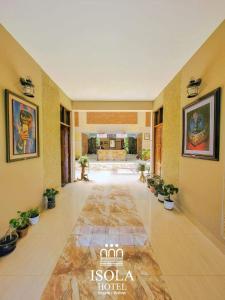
(22, 232)
(7, 245)
(51, 203)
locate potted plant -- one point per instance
(145, 154)
(34, 215)
(20, 224)
(83, 161)
(153, 182)
(160, 192)
(50, 194)
(141, 168)
(169, 189)
(8, 242)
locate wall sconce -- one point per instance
(28, 87)
(193, 88)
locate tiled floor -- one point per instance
(109, 222)
(191, 266)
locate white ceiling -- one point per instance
(111, 49)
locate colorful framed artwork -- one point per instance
(22, 133)
(147, 136)
(201, 122)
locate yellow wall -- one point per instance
(112, 105)
(22, 182)
(201, 182)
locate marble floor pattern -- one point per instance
(109, 217)
(192, 267)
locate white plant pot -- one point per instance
(34, 220)
(168, 204)
(161, 197)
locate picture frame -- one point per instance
(22, 128)
(201, 127)
(112, 144)
(147, 136)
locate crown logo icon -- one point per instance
(111, 255)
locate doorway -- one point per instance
(65, 117)
(158, 130)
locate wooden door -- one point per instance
(158, 149)
(65, 155)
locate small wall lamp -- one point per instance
(28, 87)
(193, 88)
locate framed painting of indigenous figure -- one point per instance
(22, 135)
(201, 121)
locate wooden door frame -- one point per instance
(71, 148)
(153, 126)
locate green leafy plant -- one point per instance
(160, 189)
(126, 144)
(21, 222)
(145, 154)
(33, 212)
(132, 145)
(154, 181)
(83, 161)
(92, 145)
(141, 167)
(97, 142)
(50, 193)
(169, 189)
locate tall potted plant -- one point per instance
(83, 161)
(50, 195)
(169, 190)
(141, 168)
(20, 224)
(8, 242)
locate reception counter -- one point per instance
(111, 154)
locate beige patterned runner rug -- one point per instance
(108, 254)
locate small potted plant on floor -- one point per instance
(161, 192)
(83, 161)
(169, 189)
(50, 195)
(153, 182)
(142, 168)
(20, 224)
(8, 242)
(34, 215)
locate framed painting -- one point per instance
(147, 136)
(22, 132)
(201, 122)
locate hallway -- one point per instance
(166, 253)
